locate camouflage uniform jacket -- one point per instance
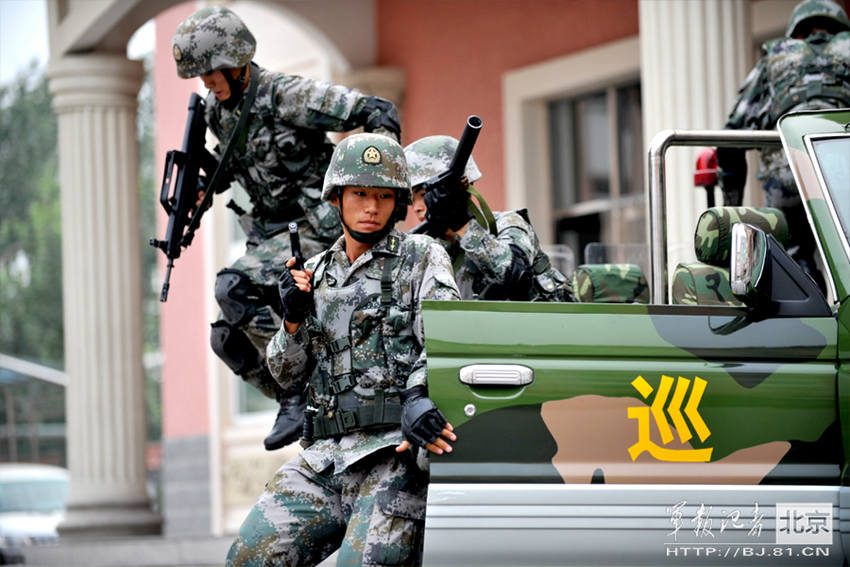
(384, 349)
(792, 74)
(286, 151)
(487, 259)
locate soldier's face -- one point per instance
(366, 209)
(419, 208)
(217, 83)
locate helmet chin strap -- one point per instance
(237, 87)
(368, 237)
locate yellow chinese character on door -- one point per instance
(674, 409)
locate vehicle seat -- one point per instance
(610, 283)
(706, 282)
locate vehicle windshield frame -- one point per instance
(832, 193)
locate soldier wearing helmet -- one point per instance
(506, 263)
(809, 69)
(353, 333)
(279, 157)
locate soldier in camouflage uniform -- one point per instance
(353, 331)
(279, 158)
(808, 69)
(509, 264)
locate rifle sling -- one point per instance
(482, 212)
(241, 132)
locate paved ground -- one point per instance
(147, 551)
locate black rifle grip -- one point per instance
(307, 430)
(295, 245)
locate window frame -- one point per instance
(617, 199)
(526, 94)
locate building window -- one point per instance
(597, 169)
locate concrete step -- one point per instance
(139, 551)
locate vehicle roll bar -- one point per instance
(657, 204)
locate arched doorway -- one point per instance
(94, 89)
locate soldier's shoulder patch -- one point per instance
(372, 155)
(177, 54)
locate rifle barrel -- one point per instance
(163, 295)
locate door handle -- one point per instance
(496, 375)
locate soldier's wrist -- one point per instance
(413, 393)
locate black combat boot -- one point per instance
(289, 421)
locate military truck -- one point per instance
(709, 426)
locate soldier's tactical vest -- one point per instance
(363, 345)
(804, 70)
(280, 166)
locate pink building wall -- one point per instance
(454, 54)
(183, 325)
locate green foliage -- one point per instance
(38, 410)
(30, 245)
(148, 201)
(148, 204)
(30, 223)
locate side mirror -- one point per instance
(766, 279)
(749, 251)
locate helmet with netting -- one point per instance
(432, 155)
(212, 38)
(808, 10)
(369, 160)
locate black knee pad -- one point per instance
(237, 296)
(233, 347)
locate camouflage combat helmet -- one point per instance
(430, 156)
(369, 160)
(210, 39)
(808, 9)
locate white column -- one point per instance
(694, 57)
(94, 97)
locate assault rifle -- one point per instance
(453, 177)
(184, 212)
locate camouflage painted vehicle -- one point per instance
(660, 434)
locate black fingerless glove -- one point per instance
(296, 302)
(447, 207)
(421, 421)
(380, 113)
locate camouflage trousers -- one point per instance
(373, 512)
(263, 262)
